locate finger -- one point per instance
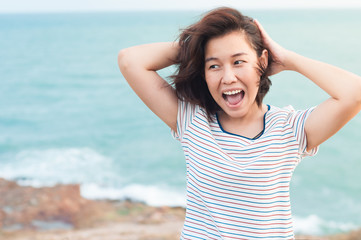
(261, 29)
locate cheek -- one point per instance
(211, 81)
(249, 76)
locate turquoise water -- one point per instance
(67, 115)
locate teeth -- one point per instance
(232, 92)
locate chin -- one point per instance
(236, 113)
(241, 110)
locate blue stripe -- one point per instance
(220, 196)
(237, 183)
(192, 236)
(241, 166)
(234, 216)
(200, 229)
(211, 159)
(263, 147)
(248, 201)
(264, 127)
(205, 223)
(219, 139)
(229, 174)
(238, 162)
(265, 169)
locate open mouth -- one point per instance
(233, 97)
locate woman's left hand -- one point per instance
(279, 54)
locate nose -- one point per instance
(229, 76)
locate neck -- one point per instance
(249, 125)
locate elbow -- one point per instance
(358, 94)
(123, 61)
(353, 99)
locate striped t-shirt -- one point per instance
(238, 188)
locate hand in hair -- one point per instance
(343, 87)
(278, 53)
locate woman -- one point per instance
(240, 153)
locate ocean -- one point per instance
(68, 116)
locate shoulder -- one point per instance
(191, 109)
(277, 113)
(288, 116)
(188, 114)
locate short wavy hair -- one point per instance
(189, 79)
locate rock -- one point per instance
(30, 208)
(353, 235)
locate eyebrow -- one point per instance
(234, 55)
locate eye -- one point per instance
(238, 62)
(213, 66)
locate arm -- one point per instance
(139, 65)
(343, 87)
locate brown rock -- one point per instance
(29, 207)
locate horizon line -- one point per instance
(177, 10)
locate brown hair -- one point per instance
(189, 79)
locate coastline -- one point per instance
(61, 213)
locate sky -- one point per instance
(9, 6)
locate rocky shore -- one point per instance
(61, 213)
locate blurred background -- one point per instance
(68, 116)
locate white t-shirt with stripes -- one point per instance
(238, 188)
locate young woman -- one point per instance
(240, 153)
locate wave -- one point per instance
(166, 196)
(315, 225)
(99, 180)
(52, 166)
(151, 195)
(94, 172)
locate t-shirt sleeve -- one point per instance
(186, 112)
(297, 120)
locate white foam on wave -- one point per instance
(98, 180)
(52, 166)
(93, 171)
(151, 195)
(314, 225)
(165, 196)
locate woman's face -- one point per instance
(231, 73)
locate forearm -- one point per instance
(139, 65)
(338, 83)
(343, 87)
(149, 57)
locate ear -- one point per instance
(263, 59)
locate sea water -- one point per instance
(68, 116)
